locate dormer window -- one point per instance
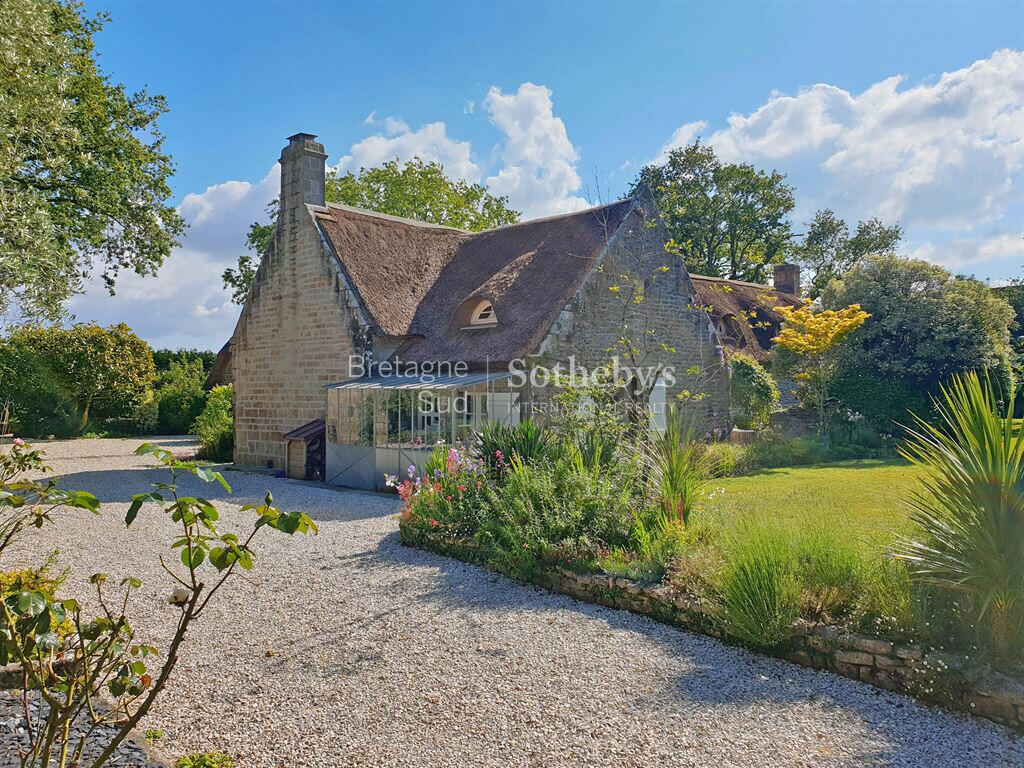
(483, 315)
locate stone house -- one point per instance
(744, 313)
(349, 308)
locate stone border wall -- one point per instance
(944, 679)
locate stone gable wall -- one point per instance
(591, 324)
(294, 337)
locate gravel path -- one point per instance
(349, 649)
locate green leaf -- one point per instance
(194, 559)
(31, 603)
(133, 508)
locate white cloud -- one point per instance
(536, 160)
(185, 304)
(1006, 248)
(683, 136)
(942, 157)
(392, 125)
(429, 142)
(538, 172)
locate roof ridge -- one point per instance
(694, 276)
(555, 216)
(388, 217)
(414, 222)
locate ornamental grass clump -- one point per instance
(831, 572)
(760, 595)
(497, 443)
(970, 513)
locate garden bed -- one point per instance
(948, 680)
(133, 752)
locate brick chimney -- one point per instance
(303, 170)
(786, 278)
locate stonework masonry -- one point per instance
(295, 332)
(665, 327)
(302, 319)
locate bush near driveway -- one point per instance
(63, 380)
(215, 426)
(180, 396)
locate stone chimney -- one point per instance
(786, 278)
(303, 171)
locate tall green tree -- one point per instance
(828, 251)
(926, 325)
(1014, 295)
(83, 174)
(420, 190)
(416, 189)
(724, 219)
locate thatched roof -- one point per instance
(743, 312)
(420, 281)
(221, 371)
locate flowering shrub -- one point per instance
(518, 513)
(448, 494)
(68, 660)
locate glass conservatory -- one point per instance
(379, 425)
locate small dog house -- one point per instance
(304, 451)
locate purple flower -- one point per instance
(411, 471)
(437, 473)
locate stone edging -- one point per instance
(950, 681)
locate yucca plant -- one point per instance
(497, 443)
(970, 512)
(678, 465)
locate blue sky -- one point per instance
(909, 111)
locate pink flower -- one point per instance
(18, 442)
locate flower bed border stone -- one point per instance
(948, 680)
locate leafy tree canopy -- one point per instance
(828, 251)
(162, 358)
(416, 190)
(724, 219)
(83, 175)
(83, 371)
(925, 326)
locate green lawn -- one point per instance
(856, 498)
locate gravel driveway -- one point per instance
(349, 649)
